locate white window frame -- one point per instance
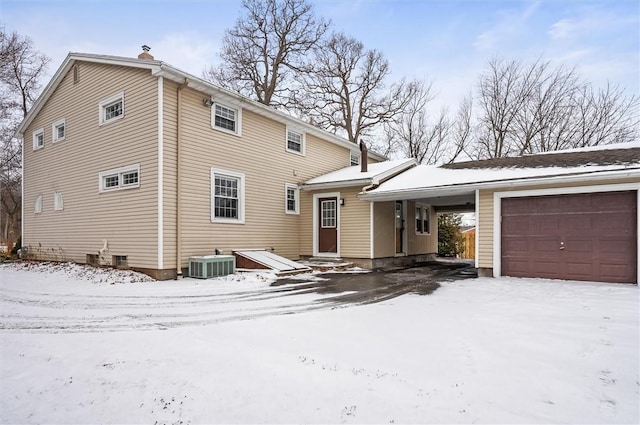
(238, 119)
(105, 103)
(302, 141)
(119, 172)
(54, 130)
(422, 208)
(287, 187)
(37, 209)
(354, 155)
(241, 196)
(38, 132)
(58, 201)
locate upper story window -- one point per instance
(292, 199)
(112, 108)
(354, 158)
(226, 118)
(38, 139)
(295, 141)
(58, 130)
(120, 178)
(58, 202)
(38, 206)
(227, 196)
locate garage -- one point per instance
(584, 236)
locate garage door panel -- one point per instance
(596, 231)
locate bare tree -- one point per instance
(529, 108)
(345, 92)
(265, 46)
(429, 138)
(21, 68)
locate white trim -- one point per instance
(160, 174)
(477, 227)
(36, 133)
(118, 97)
(118, 171)
(288, 186)
(302, 140)
(371, 229)
(54, 130)
(497, 210)
(238, 118)
(316, 197)
(241, 197)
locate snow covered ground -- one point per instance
(82, 345)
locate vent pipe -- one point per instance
(364, 157)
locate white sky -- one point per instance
(447, 42)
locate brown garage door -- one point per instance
(590, 236)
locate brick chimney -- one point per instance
(364, 157)
(145, 53)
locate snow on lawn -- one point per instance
(224, 351)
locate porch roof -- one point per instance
(353, 176)
(424, 182)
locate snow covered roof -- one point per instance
(352, 176)
(627, 153)
(455, 179)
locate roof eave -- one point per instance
(459, 188)
(336, 185)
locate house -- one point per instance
(131, 162)
(560, 215)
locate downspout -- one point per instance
(178, 180)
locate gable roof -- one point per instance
(163, 69)
(464, 178)
(353, 176)
(627, 153)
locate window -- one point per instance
(226, 118)
(292, 202)
(423, 213)
(93, 259)
(354, 158)
(328, 214)
(112, 109)
(120, 178)
(295, 142)
(227, 195)
(38, 139)
(38, 206)
(58, 130)
(58, 203)
(119, 261)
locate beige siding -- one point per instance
(261, 156)
(355, 225)
(384, 239)
(421, 243)
(170, 134)
(385, 231)
(485, 215)
(126, 219)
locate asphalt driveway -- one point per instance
(381, 285)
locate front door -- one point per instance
(399, 228)
(328, 225)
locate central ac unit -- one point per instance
(208, 266)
